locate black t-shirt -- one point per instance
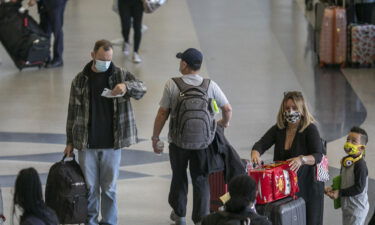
(101, 113)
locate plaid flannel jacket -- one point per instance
(124, 127)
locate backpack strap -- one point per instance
(205, 84)
(182, 86)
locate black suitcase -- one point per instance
(22, 37)
(66, 192)
(285, 211)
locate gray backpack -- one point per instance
(192, 123)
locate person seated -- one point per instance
(29, 198)
(240, 206)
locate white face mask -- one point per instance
(102, 66)
(292, 116)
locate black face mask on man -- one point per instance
(292, 116)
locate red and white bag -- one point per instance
(274, 181)
(322, 170)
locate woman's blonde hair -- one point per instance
(306, 117)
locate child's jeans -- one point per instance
(354, 209)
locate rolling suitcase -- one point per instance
(332, 43)
(319, 11)
(361, 44)
(22, 37)
(287, 211)
(218, 188)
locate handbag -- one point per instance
(322, 168)
(149, 6)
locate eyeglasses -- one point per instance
(293, 93)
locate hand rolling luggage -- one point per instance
(287, 211)
(22, 37)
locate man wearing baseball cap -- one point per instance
(180, 157)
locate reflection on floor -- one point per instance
(255, 50)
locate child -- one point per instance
(354, 180)
(28, 197)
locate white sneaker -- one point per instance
(136, 58)
(178, 220)
(126, 48)
(144, 28)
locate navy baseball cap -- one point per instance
(191, 56)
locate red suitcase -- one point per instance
(218, 188)
(274, 181)
(332, 46)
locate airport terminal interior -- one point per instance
(254, 49)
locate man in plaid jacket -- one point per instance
(100, 126)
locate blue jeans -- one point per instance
(101, 170)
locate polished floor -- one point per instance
(254, 49)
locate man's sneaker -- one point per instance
(126, 48)
(144, 28)
(178, 220)
(136, 58)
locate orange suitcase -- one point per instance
(332, 46)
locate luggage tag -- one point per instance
(224, 198)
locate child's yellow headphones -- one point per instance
(350, 160)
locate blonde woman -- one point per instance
(296, 139)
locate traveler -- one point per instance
(354, 180)
(131, 13)
(296, 139)
(28, 196)
(99, 127)
(240, 206)
(187, 149)
(51, 14)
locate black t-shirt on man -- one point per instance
(101, 113)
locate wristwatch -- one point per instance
(303, 159)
